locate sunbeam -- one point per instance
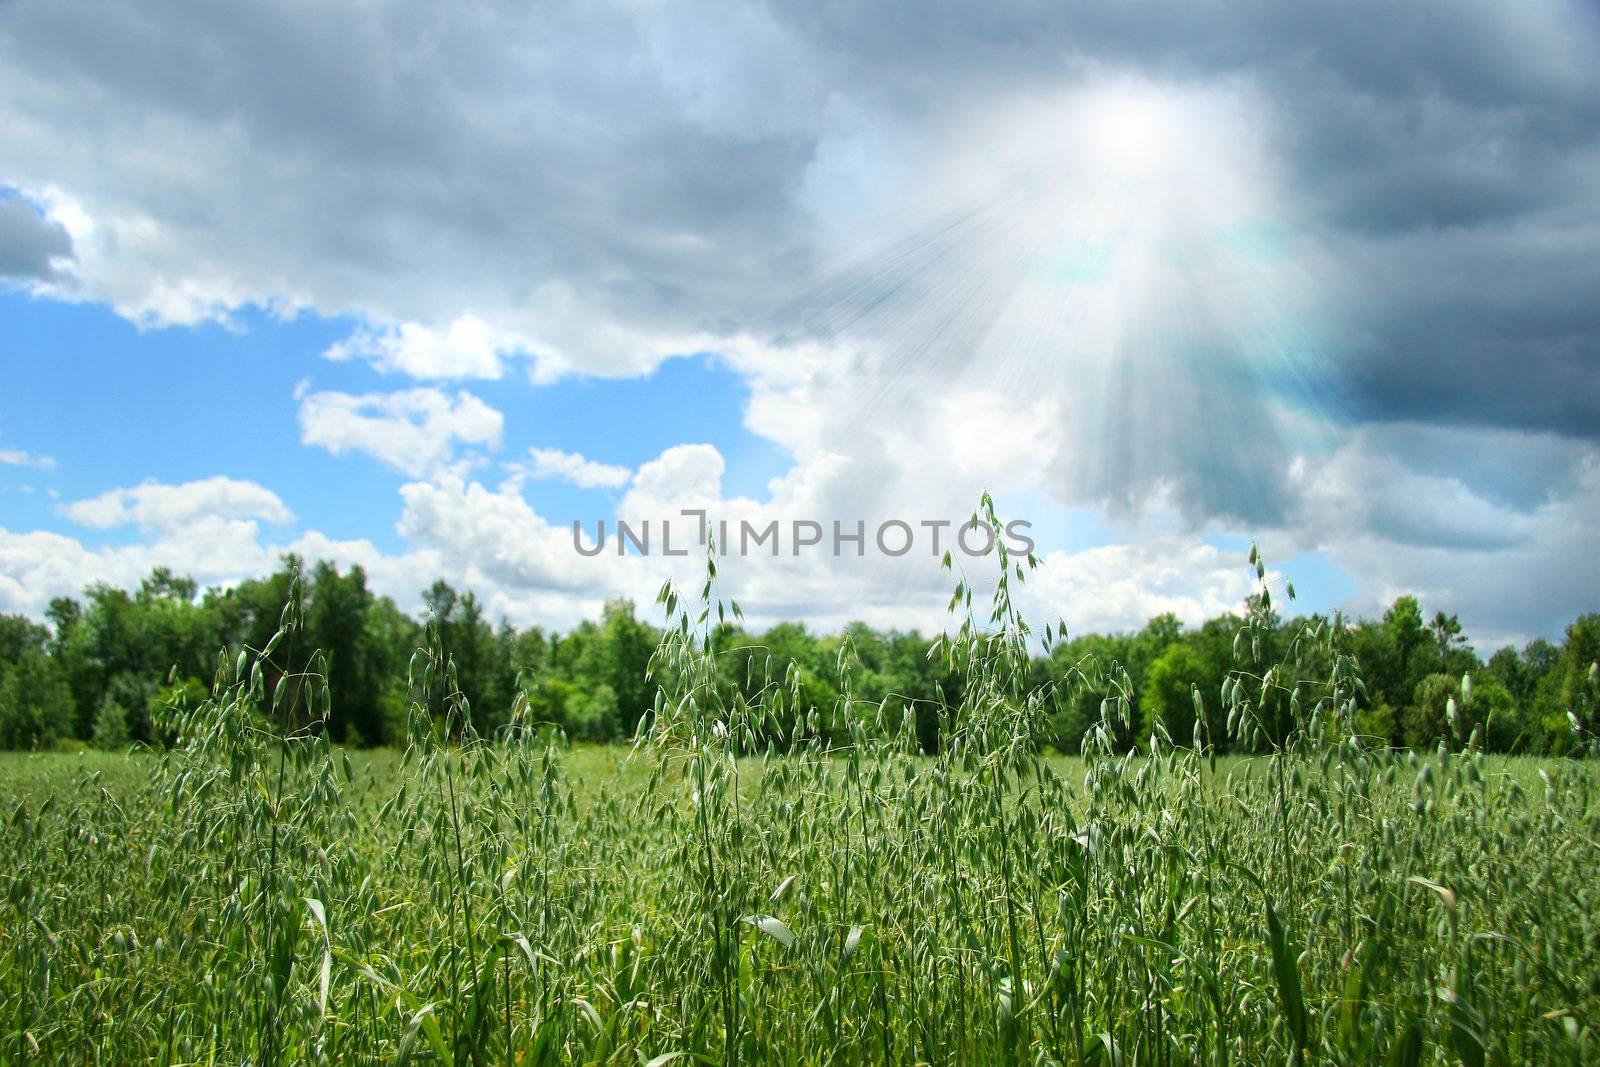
(1121, 255)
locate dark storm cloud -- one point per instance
(1495, 326)
(392, 159)
(1449, 153)
(29, 241)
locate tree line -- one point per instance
(104, 666)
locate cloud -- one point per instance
(529, 568)
(502, 166)
(1392, 226)
(1119, 587)
(415, 431)
(474, 537)
(468, 348)
(1497, 526)
(13, 457)
(684, 476)
(571, 467)
(1141, 258)
(207, 530)
(155, 507)
(37, 566)
(502, 545)
(526, 567)
(30, 243)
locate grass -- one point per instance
(255, 895)
(882, 914)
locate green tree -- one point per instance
(597, 716)
(1580, 659)
(623, 652)
(1083, 680)
(1501, 722)
(1482, 705)
(1378, 725)
(1168, 698)
(337, 614)
(1403, 621)
(1447, 637)
(36, 707)
(1426, 720)
(111, 725)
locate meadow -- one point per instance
(726, 891)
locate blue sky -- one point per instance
(1164, 286)
(116, 405)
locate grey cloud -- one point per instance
(1490, 327)
(385, 160)
(1508, 584)
(29, 241)
(1517, 471)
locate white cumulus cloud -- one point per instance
(154, 506)
(467, 348)
(415, 431)
(571, 467)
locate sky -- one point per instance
(416, 287)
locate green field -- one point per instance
(518, 903)
(765, 881)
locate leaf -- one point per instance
(1285, 965)
(663, 1059)
(774, 928)
(1407, 1049)
(282, 957)
(783, 887)
(590, 1014)
(1448, 896)
(521, 942)
(1350, 1036)
(315, 907)
(422, 1022)
(1102, 1049)
(480, 1005)
(1286, 971)
(1464, 1026)
(852, 941)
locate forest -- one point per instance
(103, 668)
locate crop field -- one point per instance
(723, 892)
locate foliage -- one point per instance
(591, 681)
(111, 725)
(35, 703)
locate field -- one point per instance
(724, 892)
(517, 903)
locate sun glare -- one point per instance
(1094, 248)
(1123, 133)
